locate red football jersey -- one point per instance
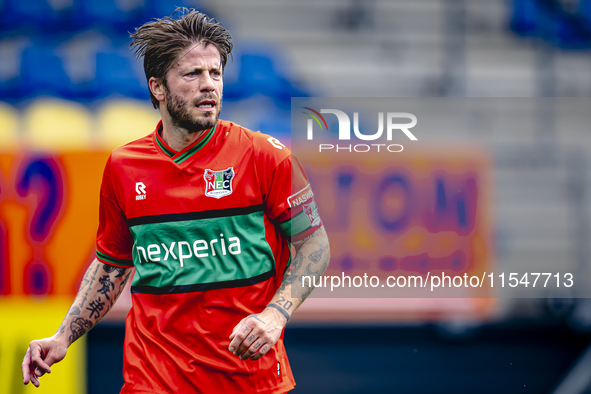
(207, 229)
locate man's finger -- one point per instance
(37, 360)
(252, 349)
(240, 334)
(261, 352)
(35, 380)
(25, 367)
(249, 340)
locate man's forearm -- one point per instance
(312, 256)
(100, 288)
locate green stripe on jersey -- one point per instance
(197, 147)
(192, 252)
(296, 225)
(113, 260)
(164, 148)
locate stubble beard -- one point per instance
(178, 109)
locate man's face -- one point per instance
(193, 88)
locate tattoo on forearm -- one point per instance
(78, 327)
(122, 285)
(111, 268)
(280, 309)
(316, 256)
(291, 275)
(75, 311)
(96, 306)
(105, 281)
(314, 234)
(90, 282)
(286, 304)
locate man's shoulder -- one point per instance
(261, 143)
(134, 148)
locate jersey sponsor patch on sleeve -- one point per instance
(300, 197)
(300, 221)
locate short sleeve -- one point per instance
(290, 202)
(114, 242)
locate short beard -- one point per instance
(178, 109)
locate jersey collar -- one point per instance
(180, 157)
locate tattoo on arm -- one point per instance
(314, 234)
(122, 285)
(97, 307)
(111, 268)
(291, 275)
(91, 281)
(75, 311)
(78, 327)
(256, 316)
(107, 286)
(316, 256)
(78, 321)
(280, 309)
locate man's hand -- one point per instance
(256, 334)
(101, 286)
(40, 356)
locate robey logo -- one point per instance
(392, 124)
(140, 189)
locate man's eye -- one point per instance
(217, 73)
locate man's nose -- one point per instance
(207, 84)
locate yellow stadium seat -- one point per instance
(123, 121)
(58, 125)
(9, 127)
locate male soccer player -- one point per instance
(203, 209)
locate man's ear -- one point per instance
(157, 88)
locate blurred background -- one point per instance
(71, 91)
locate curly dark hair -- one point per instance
(161, 41)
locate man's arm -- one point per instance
(100, 288)
(256, 334)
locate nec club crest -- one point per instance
(312, 212)
(218, 184)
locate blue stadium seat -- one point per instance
(109, 12)
(524, 20)
(547, 19)
(585, 11)
(42, 72)
(115, 74)
(10, 72)
(259, 76)
(160, 8)
(43, 14)
(27, 12)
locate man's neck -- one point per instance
(178, 138)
